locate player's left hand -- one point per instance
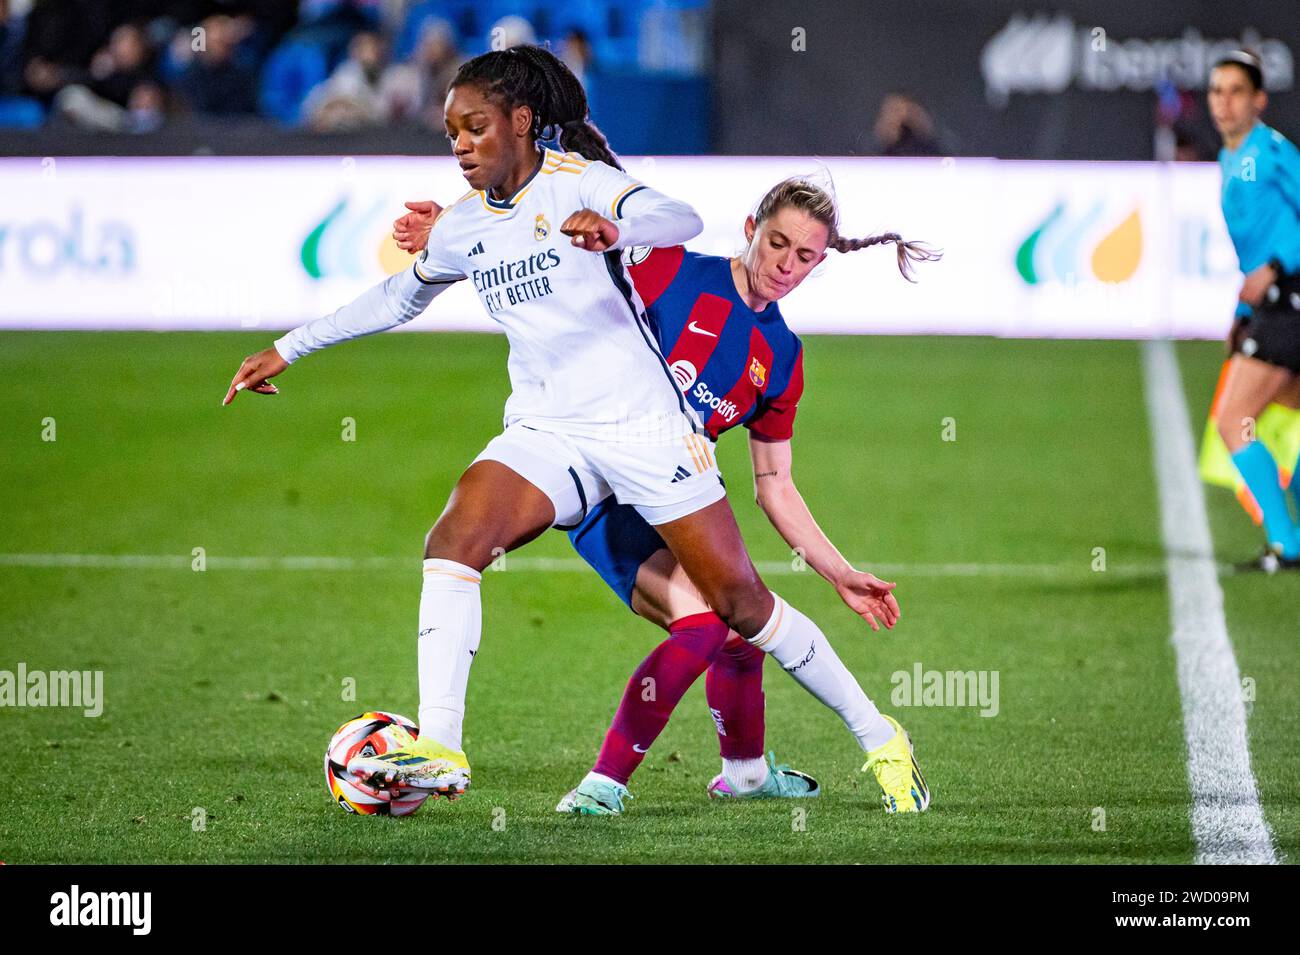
(590, 230)
(870, 598)
(1256, 284)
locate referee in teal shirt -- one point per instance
(1261, 206)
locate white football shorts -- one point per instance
(663, 481)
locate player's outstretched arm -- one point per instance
(619, 211)
(647, 217)
(651, 219)
(778, 497)
(394, 301)
(655, 220)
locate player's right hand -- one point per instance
(869, 597)
(411, 231)
(254, 375)
(590, 230)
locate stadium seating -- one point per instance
(290, 73)
(20, 112)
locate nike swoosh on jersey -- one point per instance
(701, 331)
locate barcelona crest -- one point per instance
(757, 373)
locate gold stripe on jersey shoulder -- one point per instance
(554, 159)
(452, 206)
(564, 164)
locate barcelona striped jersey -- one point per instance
(735, 366)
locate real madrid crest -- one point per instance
(541, 228)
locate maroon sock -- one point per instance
(734, 688)
(643, 713)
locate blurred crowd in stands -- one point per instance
(326, 65)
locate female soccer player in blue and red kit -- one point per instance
(736, 361)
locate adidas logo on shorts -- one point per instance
(681, 475)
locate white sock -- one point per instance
(596, 777)
(803, 651)
(451, 623)
(744, 775)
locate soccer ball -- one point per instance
(369, 734)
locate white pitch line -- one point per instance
(1227, 821)
(1078, 570)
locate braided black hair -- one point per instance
(531, 76)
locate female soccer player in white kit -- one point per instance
(593, 411)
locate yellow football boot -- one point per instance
(895, 768)
(417, 764)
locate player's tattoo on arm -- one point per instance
(763, 474)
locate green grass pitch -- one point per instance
(223, 686)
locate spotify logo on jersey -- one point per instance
(684, 373)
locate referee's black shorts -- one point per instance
(1273, 333)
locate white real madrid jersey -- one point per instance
(582, 359)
